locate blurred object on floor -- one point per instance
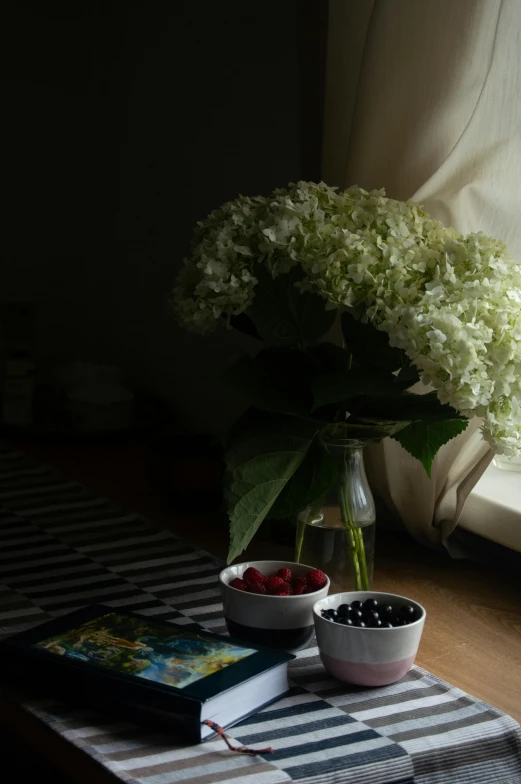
(95, 395)
(85, 401)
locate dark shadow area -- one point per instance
(125, 124)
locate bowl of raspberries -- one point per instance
(368, 638)
(271, 602)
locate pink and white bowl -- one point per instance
(365, 656)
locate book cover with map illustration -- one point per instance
(136, 646)
(161, 671)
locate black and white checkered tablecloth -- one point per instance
(62, 547)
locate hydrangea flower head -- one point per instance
(451, 302)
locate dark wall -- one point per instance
(126, 123)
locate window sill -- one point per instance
(493, 509)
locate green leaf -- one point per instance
(253, 433)
(406, 406)
(277, 379)
(423, 439)
(370, 346)
(340, 387)
(315, 476)
(285, 316)
(363, 429)
(257, 423)
(243, 323)
(332, 358)
(259, 469)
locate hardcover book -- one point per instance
(147, 669)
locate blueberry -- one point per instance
(374, 623)
(332, 615)
(407, 612)
(370, 604)
(371, 616)
(359, 624)
(398, 620)
(343, 610)
(356, 615)
(385, 611)
(345, 621)
(356, 605)
(387, 625)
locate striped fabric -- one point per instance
(61, 547)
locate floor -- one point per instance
(472, 636)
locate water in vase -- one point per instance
(325, 546)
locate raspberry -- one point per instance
(283, 592)
(276, 584)
(316, 578)
(299, 585)
(239, 584)
(285, 573)
(257, 588)
(253, 577)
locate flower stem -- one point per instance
(362, 559)
(347, 519)
(354, 535)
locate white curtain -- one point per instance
(423, 97)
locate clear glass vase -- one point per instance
(337, 533)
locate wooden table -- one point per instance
(472, 637)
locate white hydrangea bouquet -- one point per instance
(417, 301)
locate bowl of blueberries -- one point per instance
(368, 638)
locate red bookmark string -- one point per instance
(239, 749)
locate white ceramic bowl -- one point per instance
(274, 621)
(365, 656)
